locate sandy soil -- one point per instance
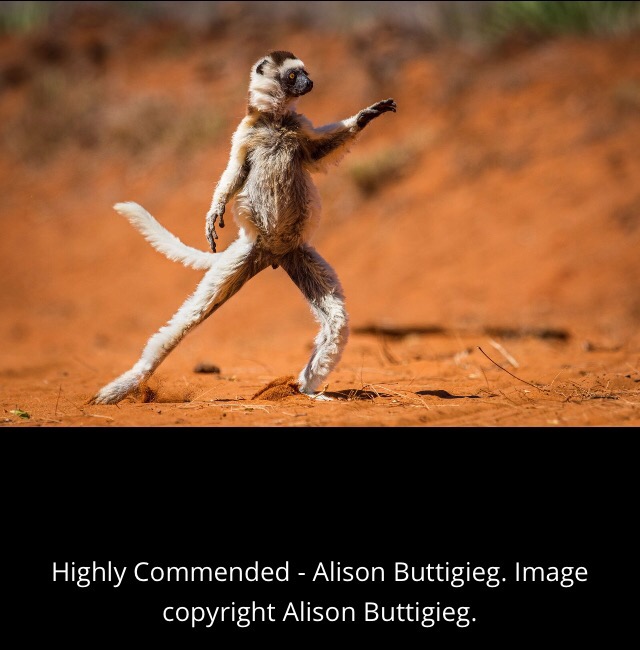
(486, 235)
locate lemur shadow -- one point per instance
(355, 394)
(362, 394)
(445, 394)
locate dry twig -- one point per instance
(510, 373)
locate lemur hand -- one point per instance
(216, 212)
(375, 110)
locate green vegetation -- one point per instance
(20, 413)
(437, 20)
(555, 18)
(18, 17)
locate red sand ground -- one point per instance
(511, 229)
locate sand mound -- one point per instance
(278, 389)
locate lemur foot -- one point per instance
(117, 390)
(319, 397)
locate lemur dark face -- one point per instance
(296, 82)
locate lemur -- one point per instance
(276, 207)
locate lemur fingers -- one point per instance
(211, 234)
(375, 110)
(210, 229)
(385, 105)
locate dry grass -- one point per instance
(370, 174)
(60, 112)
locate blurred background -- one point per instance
(503, 196)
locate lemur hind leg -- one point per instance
(230, 270)
(321, 287)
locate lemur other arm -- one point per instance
(230, 182)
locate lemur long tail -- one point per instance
(162, 240)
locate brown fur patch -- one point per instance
(280, 56)
(278, 389)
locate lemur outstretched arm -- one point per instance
(327, 143)
(230, 182)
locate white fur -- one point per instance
(291, 63)
(162, 240)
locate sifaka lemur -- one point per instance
(276, 207)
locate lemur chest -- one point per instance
(277, 182)
(278, 198)
(276, 150)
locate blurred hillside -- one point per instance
(503, 194)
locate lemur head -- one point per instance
(277, 81)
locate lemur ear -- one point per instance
(259, 68)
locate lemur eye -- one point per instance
(292, 75)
